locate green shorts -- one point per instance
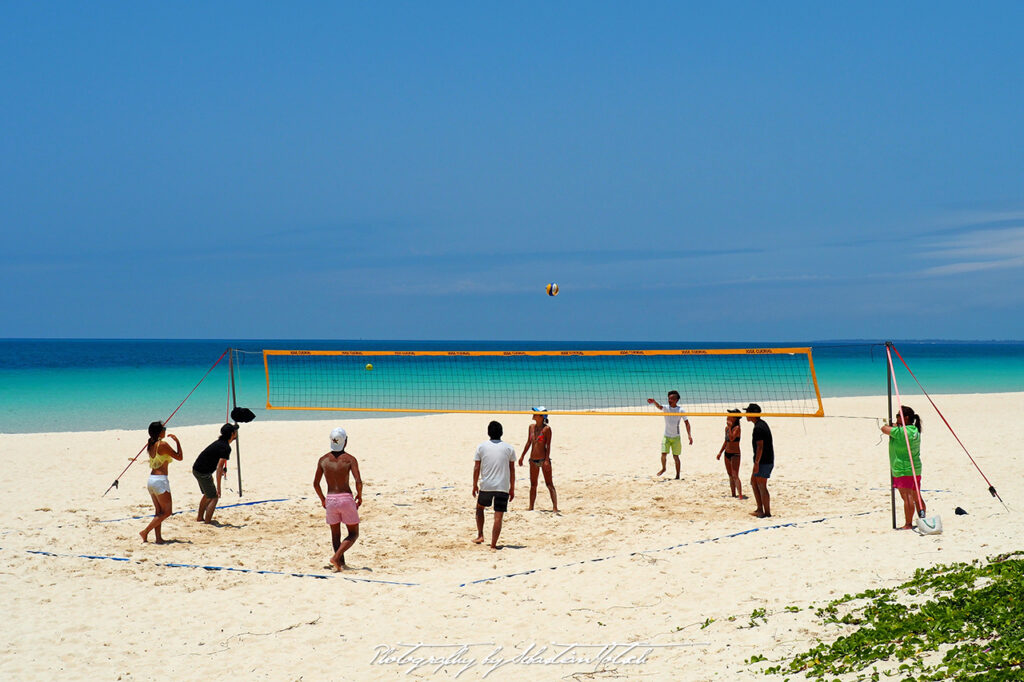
(673, 444)
(206, 485)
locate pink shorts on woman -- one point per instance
(341, 508)
(907, 482)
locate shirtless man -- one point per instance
(340, 506)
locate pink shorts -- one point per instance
(341, 508)
(906, 482)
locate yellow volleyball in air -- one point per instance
(552, 289)
(368, 367)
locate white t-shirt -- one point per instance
(494, 457)
(672, 423)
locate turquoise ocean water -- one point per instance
(92, 385)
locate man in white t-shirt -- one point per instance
(494, 479)
(672, 441)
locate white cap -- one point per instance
(338, 439)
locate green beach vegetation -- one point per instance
(950, 622)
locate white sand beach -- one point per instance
(632, 558)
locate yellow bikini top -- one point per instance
(158, 460)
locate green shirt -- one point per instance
(899, 463)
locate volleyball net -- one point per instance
(781, 381)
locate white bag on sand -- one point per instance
(929, 525)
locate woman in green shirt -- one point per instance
(906, 478)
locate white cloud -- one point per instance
(973, 266)
(958, 219)
(980, 250)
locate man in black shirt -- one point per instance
(213, 459)
(764, 461)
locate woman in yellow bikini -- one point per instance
(538, 443)
(160, 454)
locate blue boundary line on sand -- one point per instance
(791, 524)
(190, 511)
(184, 511)
(171, 564)
(924, 490)
(409, 584)
(663, 549)
(246, 504)
(223, 568)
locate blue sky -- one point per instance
(685, 172)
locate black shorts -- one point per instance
(500, 500)
(206, 484)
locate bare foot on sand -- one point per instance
(479, 540)
(337, 568)
(143, 536)
(660, 472)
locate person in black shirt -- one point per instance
(213, 459)
(764, 461)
